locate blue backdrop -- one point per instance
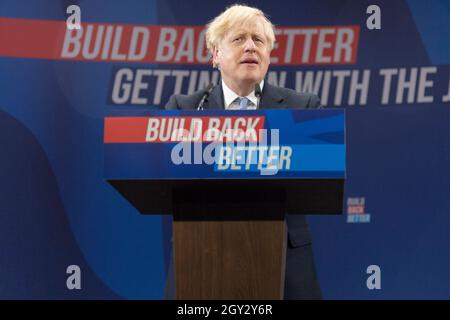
(57, 210)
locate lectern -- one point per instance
(229, 178)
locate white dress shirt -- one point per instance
(230, 98)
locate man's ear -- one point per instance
(215, 58)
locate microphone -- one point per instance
(205, 96)
(257, 94)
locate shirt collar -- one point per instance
(229, 95)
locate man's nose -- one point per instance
(249, 45)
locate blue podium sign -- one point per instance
(257, 144)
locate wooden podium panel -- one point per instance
(232, 252)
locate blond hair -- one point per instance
(236, 15)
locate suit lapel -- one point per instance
(270, 97)
(215, 99)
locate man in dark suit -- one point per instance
(240, 40)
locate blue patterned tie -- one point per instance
(243, 103)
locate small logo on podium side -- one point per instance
(356, 210)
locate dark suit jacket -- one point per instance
(301, 279)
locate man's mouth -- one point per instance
(249, 61)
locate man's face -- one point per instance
(243, 55)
